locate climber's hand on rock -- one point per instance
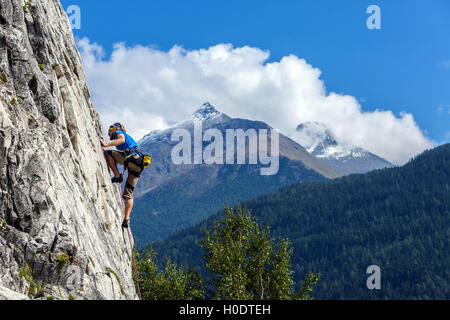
(104, 145)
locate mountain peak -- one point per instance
(206, 111)
(318, 140)
(316, 135)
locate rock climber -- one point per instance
(129, 155)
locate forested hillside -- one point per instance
(189, 199)
(395, 218)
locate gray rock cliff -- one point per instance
(60, 216)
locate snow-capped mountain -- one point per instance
(317, 139)
(158, 144)
(206, 113)
(173, 196)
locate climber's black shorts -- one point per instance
(134, 171)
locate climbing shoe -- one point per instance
(118, 179)
(125, 224)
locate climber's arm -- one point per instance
(120, 140)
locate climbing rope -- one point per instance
(134, 265)
(131, 247)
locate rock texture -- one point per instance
(7, 294)
(60, 216)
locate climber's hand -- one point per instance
(104, 145)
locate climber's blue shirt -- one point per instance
(129, 142)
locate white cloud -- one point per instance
(146, 88)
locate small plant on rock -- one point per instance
(3, 77)
(36, 289)
(27, 5)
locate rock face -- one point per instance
(60, 216)
(7, 294)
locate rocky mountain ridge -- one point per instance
(174, 196)
(158, 143)
(318, 140)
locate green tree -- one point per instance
(247, 264)
(244, 260)
(172, 283)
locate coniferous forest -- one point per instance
(397, 219)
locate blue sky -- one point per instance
(405, 66)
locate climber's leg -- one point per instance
(128, 193)
(112, 164)
(113, 157)
(128, 207)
